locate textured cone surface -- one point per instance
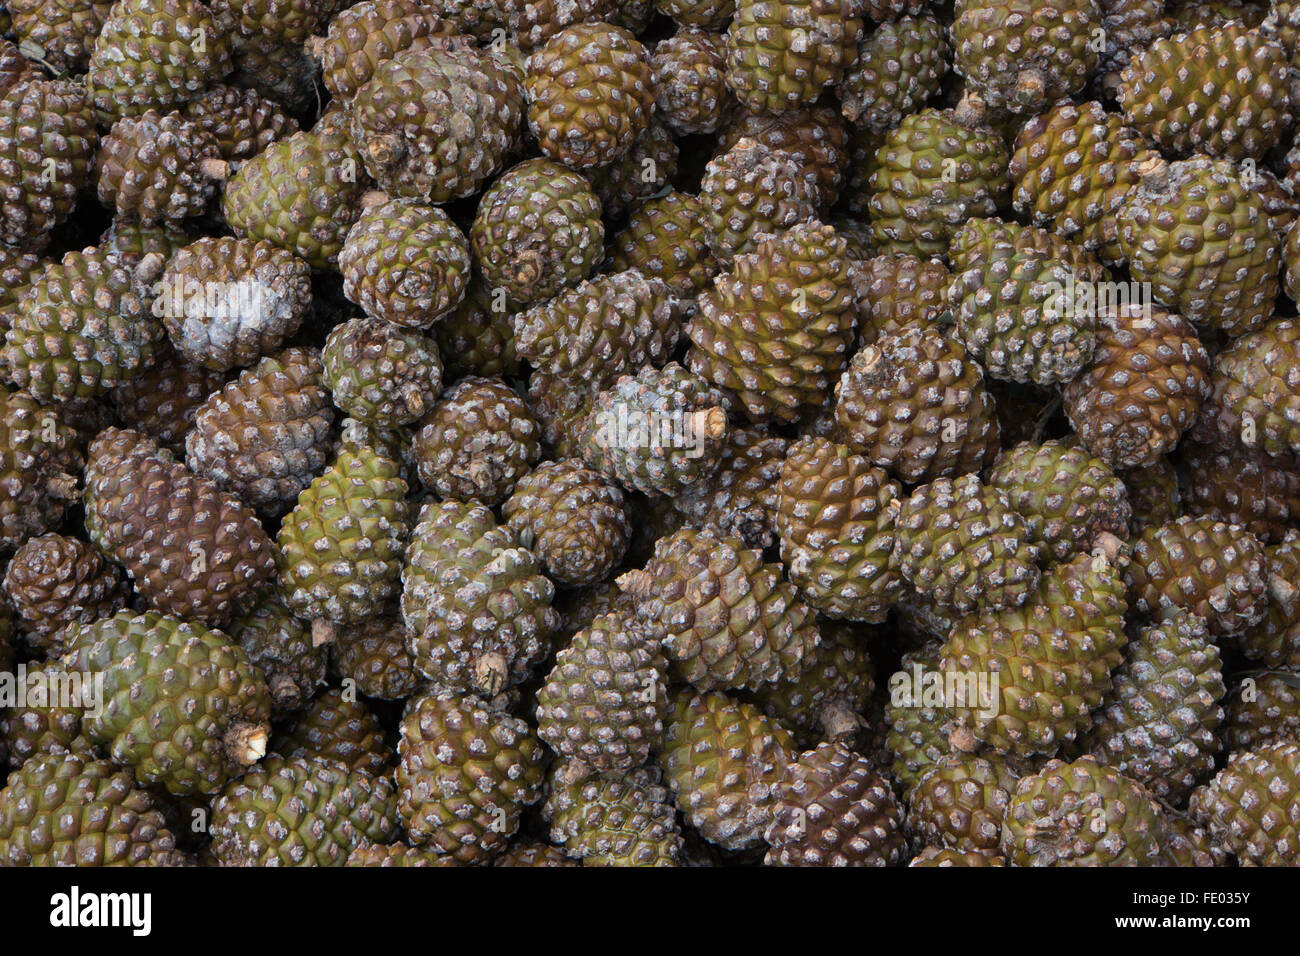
(1275, 639)
(192, 550)
(131, 241)
(960, 804)
(39, 459)
(1205, 244)
(242, 121)
(155, 54)
(1190, 845)
(915, 404)
(604, 701)
(532, 22)
(901, 290)
(572, 518)
(1258, 491)
(49, 722)
(478, 440)
(281, 645)
(918, 734)
(285, 73)
(302, 193)
(301, 812)
(478, 338)
(466, 773)
(781, 55)
(161, 401)
(476, 605)
(1067, 497)
(1278, 199)
(340, 730)
(1082, 814)
(654, 517)
(933, 856)
(898, 67)
(73, 810)
(87, 417)
(47, 146)
(396, 854)
(1261, 710)
(915, 205)
(1020, 55)
(380, 374)
(1223, 92)
(265, 436)
(724, 762)
(835, 519)
(1291, 262)
(1072, 167)
(614, 819)
(182, 705)
(704, 14)
(468, 110)
(959, 544)
(80, 328)
(666, 238)
(590, 93)
(266, 40)
(1158, 723)
(856, 232)
(374, 654)
(777, 329)
(691, 92)
(658, 432)
(1053, 657)
(605, 327)
(16, 268)
(14, 66)
(980, 240)
(1153, 492)
(405, 263)
(1016, 318)
(1253, 401)
(1142, 389)
(63, 30)
(579, 607)
(1251, 806)
(395, 444)
(1282, 23)
(751, 190)
(1212, 14)
(150, 168)
(738, 499)
(364, 35)
(726, 619)
(54, 581)
(537, 232)
(1210, 568)
(645, 170)
(269, 296)
(833, 809)
(340, 549)
(831, 693)
(561, 407)
(814, 137)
